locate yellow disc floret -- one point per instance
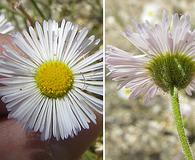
(54, 79)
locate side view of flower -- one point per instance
(54, 84)
(166, 64)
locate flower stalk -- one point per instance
(179, 124)
(38, 9)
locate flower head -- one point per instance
(5, 26)
(54, 85)
(167, 59)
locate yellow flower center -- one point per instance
(54, 79)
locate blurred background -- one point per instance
(88, 13)
(135, 131)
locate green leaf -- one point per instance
(88, 155)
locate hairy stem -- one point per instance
(179, 124)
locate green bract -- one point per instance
(171, 70)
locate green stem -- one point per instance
(38, 9)
(179, 123)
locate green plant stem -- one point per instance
(179, 124)
(38, 9)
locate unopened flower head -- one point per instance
(55, 85)
(5, 26)
(167, 59)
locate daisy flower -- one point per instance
(167, 58)
(124, 93)
(150, 12)
(55, 84)
(166, 63)
(5, 26)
